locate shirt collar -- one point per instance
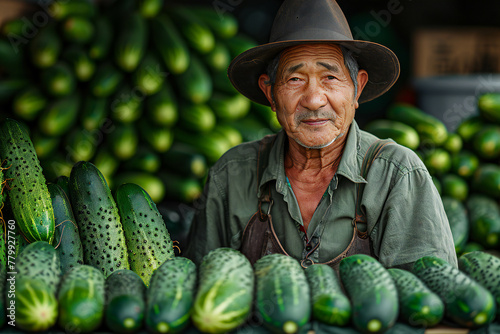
(349, 166)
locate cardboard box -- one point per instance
(455, 50)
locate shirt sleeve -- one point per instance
(206, 231)
(413, 223)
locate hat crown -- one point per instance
(310, 20)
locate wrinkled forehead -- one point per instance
(320, 53)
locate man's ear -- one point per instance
(362, 80)
(267, 89)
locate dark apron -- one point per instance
(259, 237)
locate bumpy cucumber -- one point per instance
(372, 292)
(28, 195)
(225, 291)
(125, 301)
(283, 297)
(171, 295)
(330, 305)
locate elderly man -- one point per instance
(321, 189)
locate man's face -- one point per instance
(314, 95)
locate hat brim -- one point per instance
(379, 61)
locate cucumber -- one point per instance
(479, 205)
(437, 161)
(11, 58)
(486, 180)
(282, 296)
(219, 58)
(56, 165)
(13, 26)
(100, 45)
(464, 164)
(162, 107)
(431, 130)
(183, 159)
(211, 145)
(229, 107)
(39, 260)
(151, 183)
(78, 29)
(131, 42)
(67, 237)
(401, 133)
(60, 116)
(224, 26)
(81, 299)
(9, 87)
(58, 80)
(181, 188)
(196, 117)
(171, 46)
(466, 302)
(222, 83)
(62, 181)
(251, 128)
(454, 186)
(44, 145)
(160, 138)
(224, 296)
(418, 305)
(472, 246)
(106, 163)
(145, 160)
(94, 112)
(98, 219)
(125, 302)
(330, 305)
(123, 141)
(29, 102)
(483, 268)
(486, 143)
(150, 74)
(148, 241)
(62, 9)
(232, 135)
(469, 127)
(196, 82)
(196, 33)
(459, 221)
(32, 210)
(170, 296)
(106, 80)
(80, 146)
(453, 143)
(372, 292)
(126, 105)
(149, 8)
(45, 47)
(266, 115)
(484, 218)
(80, 62)
(240, 43)
(489, 107)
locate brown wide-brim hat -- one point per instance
(313, 21)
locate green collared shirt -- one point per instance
(404, 212)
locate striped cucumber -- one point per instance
(483, 268)
(148, 241)
(81, 299)
(67, 237)
(418, 305)
(170, 296)
(98, 219)
(224, 297)
(372, 292)
(125, 301)
(330, 305)
(282, 297)
(28, 195)
(466, 302)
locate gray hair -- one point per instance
(349, 61)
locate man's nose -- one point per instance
(314, 96)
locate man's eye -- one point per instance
(294, 79)
(331, 77)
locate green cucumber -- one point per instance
(330, 305)
(144, 160)
(466, 302)
(150, 75)
(94, 112)
(160, 138)
(60, 116)
(418, 305)
(196, 117)
(486, 143)
(62, 181)
(56, 165)
(464, 164)
(45, 47)
(170, 44)
(437, 161)
(196, 33)
(181, 188)
(183, 159)
(486, 180)
(483, 268)
(126, 105)
(219, 58)
(472, 246)
(80, 146)
(106, 80)
(372, 291)
(162, 107)
(170, 296)
(106, 162)
(229, 107)
(267, 115)
(123, 141)
(224, 26)
(62, 9)
(98, 219)
(151, 183)
(469, 127)
(484, 220)
(78, 29)
(211, 145)
(282, 296)
(489, 107)
(222, 83)
(9, 87)
(81, 299)
(196, 82)
(125, 302)
(11, 58)
(100, 46)
(454, 186)
(431, 130)
(131, 42)
(459, 221)
(80, 62)
(69, 247)
(401, 133)
(28, 195)
(58, 80)
(453, 143)
(44, 145)
(240, 43)
(29, 102)
(232, 135)
(148, 241)
(251, 128)
(149, 8)
(224, 296)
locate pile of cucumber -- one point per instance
(134, 86)
(464, 164)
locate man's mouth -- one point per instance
(315, 122)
